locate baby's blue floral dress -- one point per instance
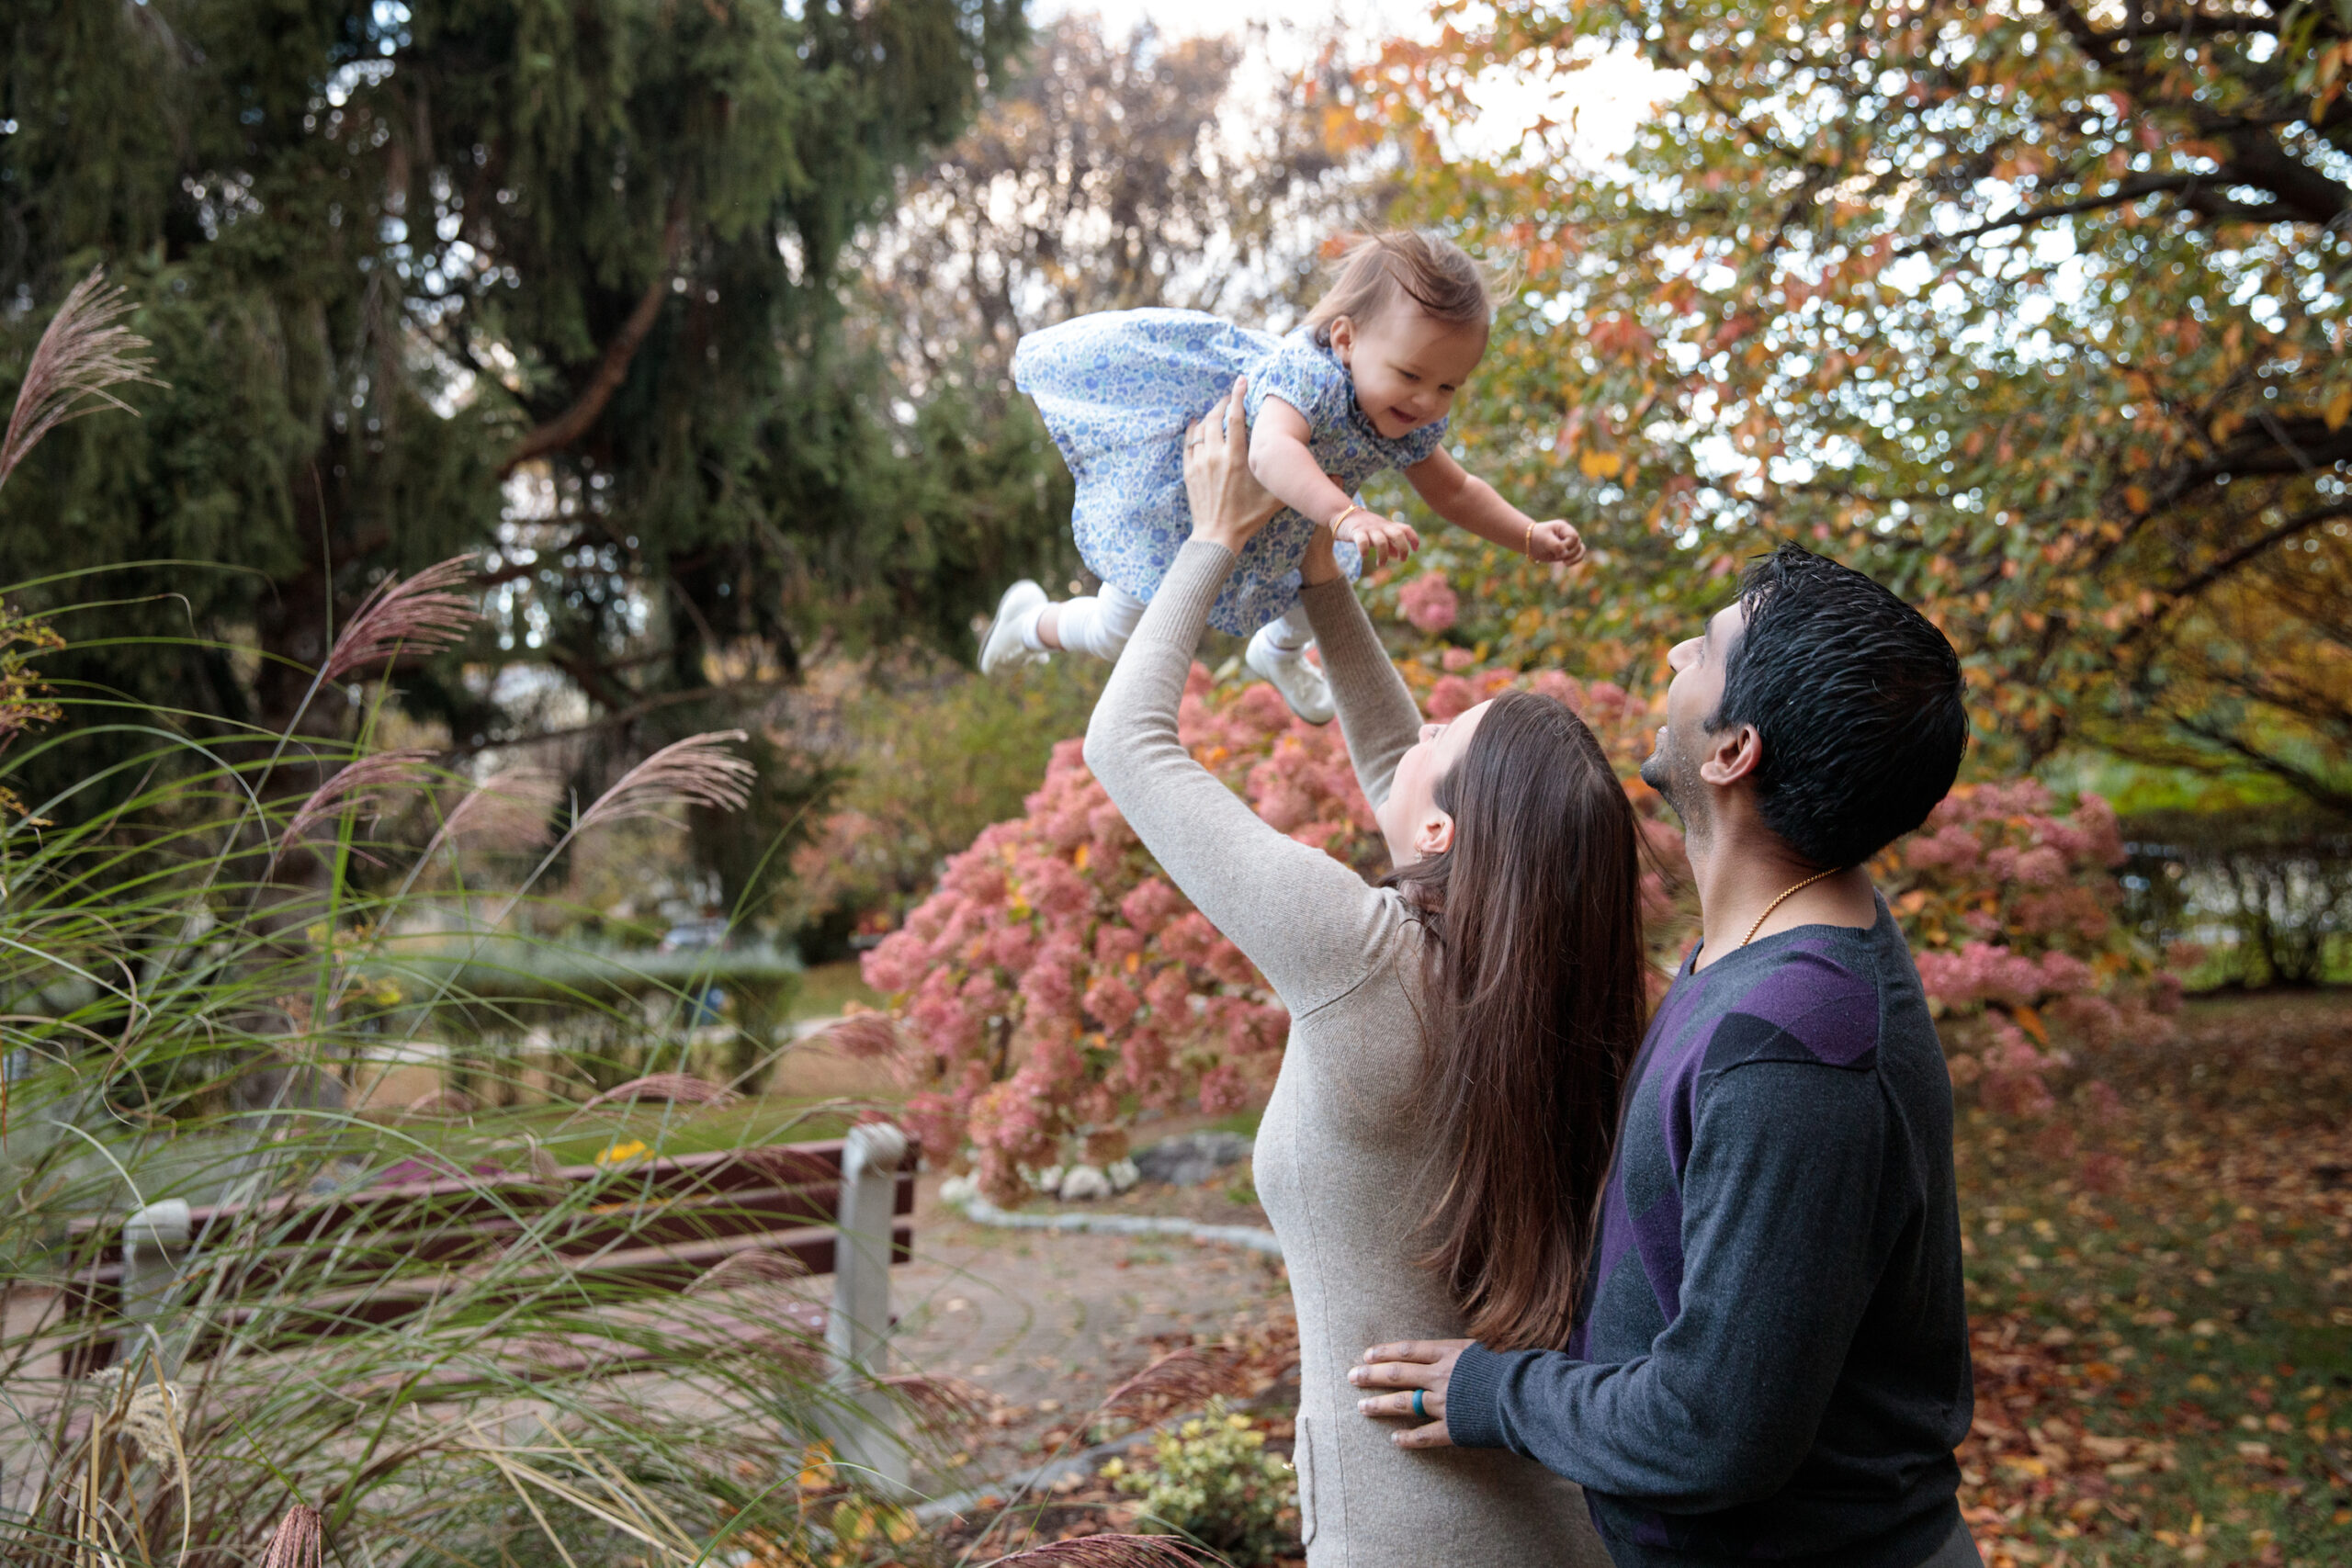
(1117, 390)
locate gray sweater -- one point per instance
(1340, 1166)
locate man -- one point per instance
(1772, 1355)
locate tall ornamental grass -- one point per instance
(212, 942)
(202, 964)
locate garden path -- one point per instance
(1045, 1323)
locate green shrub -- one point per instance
(1213, 1480)
(933, 757)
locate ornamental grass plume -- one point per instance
(83, 351)
(697, 770)
(865, 1036)
(299, 1541)
(679, 1088)
(422, 613)
(508, 811)
(1110, 1551)
(745, 1270)
(360, 785)
(1182, 1378)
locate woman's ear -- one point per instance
(1433, 835)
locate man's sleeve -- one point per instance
(1779, 1199)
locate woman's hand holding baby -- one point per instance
(1554, 541)
(1379, 538)
(1228, 503)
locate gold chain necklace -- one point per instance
(1780, 900)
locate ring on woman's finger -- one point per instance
(1420, 1412)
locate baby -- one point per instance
(1362, 387)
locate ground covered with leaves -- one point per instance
(2160, 1285)
(2160, 1294)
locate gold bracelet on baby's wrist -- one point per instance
(1349, 510)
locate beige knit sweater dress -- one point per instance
(1339, 1165)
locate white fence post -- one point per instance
(863, 1424)
(154, 1250)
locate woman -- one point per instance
(1438, 1135)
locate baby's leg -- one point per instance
(1290, 633)
(1278, 651)
(1098, 624)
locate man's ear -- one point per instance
(1433, 835)
(1732, 756)
(1343, 340)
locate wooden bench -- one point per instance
(384, 1255)
(173, 1280)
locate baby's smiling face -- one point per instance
(1407, 365)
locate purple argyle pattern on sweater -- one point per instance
(1819, 1009)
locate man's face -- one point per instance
(1696, 692)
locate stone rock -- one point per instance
(1192, 1159)
(1083, 1183)
(1123, 1174)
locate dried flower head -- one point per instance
(82, 353)
(682, 1088)
(422, 613)
(697, 770)
(946, 1398)
(863, 1035)
(299, 1540)
(358, 786)
(154, 1420)
(745, 1269)
(1182, 1377)
(442, 1102)
(510, 810)
(1110, 1552)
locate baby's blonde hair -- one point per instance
(1377, 270)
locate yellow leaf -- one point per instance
(2136, 498)
(619, 1152)
(1083, 854)
(2030, 1021)
(1600, 465)
(2339, 407)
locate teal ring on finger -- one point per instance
(1420, 1411)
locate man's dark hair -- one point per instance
(1859, 700)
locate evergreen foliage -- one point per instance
(559, 279)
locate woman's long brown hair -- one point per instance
(1533, 976)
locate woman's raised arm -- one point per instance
(1309, 922)
(1376, 713)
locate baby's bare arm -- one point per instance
(1279, 457)
(1467, 501)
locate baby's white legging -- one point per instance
(1100, 624)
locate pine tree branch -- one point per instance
(574, 422)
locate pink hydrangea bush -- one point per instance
(2005, 896)
(1054, 985)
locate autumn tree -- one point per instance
(2036, 310)
(1111, 173)
(560, 278)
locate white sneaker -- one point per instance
(1301, 685)
(1005, 645)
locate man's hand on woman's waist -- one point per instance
(1421, 1369)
